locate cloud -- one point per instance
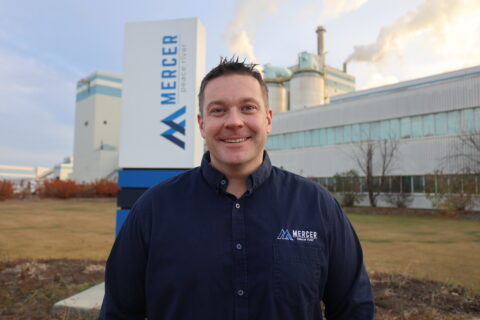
(36, 113)
(435, 37)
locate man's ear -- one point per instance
(200, 124)
(269, 120)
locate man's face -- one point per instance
(235, 122)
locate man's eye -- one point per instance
(249, 108)
(216, 110)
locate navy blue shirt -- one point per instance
(190, 250)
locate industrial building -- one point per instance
(308, 83)
(426, 117)
(97, 127)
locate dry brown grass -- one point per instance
(442, 249)
(434, 248)
(56, 229)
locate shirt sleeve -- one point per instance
(125, 270)
(348, 293)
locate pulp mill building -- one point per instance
(320, 124)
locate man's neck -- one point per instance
(237, 176)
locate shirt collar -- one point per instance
(217, 180)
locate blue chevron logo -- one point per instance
(175, 127)
(285, 235)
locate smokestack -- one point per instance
(345, 67)
(321, 40)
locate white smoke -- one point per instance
(334, 8)
(437, 36)
(241, 29)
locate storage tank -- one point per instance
(277, 96)
(307, 89)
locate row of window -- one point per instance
(406, 184)
(436, 124)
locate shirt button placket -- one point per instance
(240, 259)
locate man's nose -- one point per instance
(234, 118)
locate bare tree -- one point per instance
(465, 155)
(376, 160)
(456, 190)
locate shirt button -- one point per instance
(240, 292)
(239, 246)
(223, 181)
(237, 205)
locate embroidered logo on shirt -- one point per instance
(303, 235)
(285, 235)
(300, 235)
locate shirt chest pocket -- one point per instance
(296, 274)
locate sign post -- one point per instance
(164, 63)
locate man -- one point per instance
(236, 238)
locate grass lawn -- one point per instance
(435, 248)
(442, 249)
(71, 229)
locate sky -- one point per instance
(47, 46)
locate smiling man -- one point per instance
(236, 238)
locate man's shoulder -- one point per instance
(295, 180)
(173, 185)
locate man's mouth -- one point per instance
(237, 140)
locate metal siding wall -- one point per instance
(437, 97)
(415, 157)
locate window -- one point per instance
(288, 141)
(442, 184)
(365, 131)
(385, 184)
(428, 125)
(339, 134)
(323, 181)
(395, 184)
(441, 124)
(347, 133)
(418, 184)
(339, 184)
(455, 183)
(330, 136)
(299, 139)
(394, 128)
(375, 130)
(405, 128)
(417, 126)
(307, 138)
(453, 122)
(323, 137)
(477, 119)
(430, 184)
(407, 184)
(385, 130)
(468, 120)
(356, 132)
(316, 137)
(363, 184)
(469, 185)
(331, 184)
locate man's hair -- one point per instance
(229, 67)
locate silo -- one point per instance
(277, 96)
(307, 89)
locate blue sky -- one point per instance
(47, 46)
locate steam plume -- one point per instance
(334, 8)
(240, 30)
(431, 16)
